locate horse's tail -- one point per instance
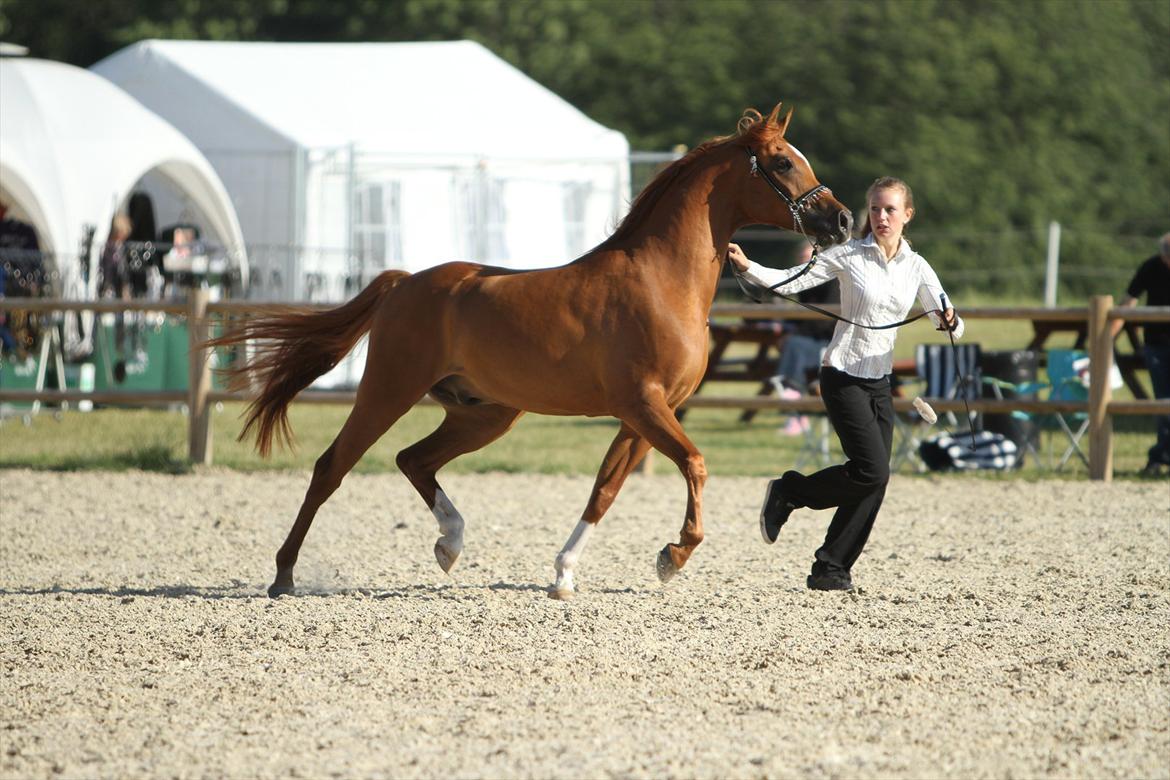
(293, 347)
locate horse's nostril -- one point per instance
(845, 221)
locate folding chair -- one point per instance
(1064, 379)
(815, 446)
(938, 367)
(1018, 390)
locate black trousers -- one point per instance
(862, 413)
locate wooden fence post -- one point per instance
(198, 379)
(1100, 390)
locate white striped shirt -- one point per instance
(874, 291)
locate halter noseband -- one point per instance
(795, 207)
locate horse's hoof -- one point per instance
(561, 594)
(665, 565)
(278, 589)
(445, 557)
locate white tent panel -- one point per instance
(39, 206)
(73, 147)
(346, 159)
(425, 203)
(538, 241)
(426, 98)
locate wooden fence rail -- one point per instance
(200, 396)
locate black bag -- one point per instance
(953, 453)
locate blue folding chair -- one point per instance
(1065, 384)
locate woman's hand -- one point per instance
(949, 320)
(737, 258)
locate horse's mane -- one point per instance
(752, 128)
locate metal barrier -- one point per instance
(200, 396)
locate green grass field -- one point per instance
(156, 440)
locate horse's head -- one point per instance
(782, 189)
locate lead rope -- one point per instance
(749, 287)
(795, 207)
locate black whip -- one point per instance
(942, 298)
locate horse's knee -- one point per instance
(695, 469)
(325, 479)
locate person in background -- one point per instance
(804, 343)
(113, 281)
(880, 277)
(1153, 280)
(21, 276)
(8, 343)
(806, 339)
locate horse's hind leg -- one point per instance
(654, 419)
(624, 454)
(464, 429)
(372, 415)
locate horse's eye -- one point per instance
(783, 165)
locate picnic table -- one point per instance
(1128, 363)
(768, 336)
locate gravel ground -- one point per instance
(1003, 629)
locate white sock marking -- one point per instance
(570, 554)
(450, 522)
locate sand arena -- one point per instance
(1004, 629)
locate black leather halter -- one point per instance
(795, 207)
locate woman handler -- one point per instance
(880, 276)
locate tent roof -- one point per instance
(420, 98)
(73, 145)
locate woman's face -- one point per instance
(888, 214)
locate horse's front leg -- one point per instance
(656, 422)
(626, 451)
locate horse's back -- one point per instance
(558, 340)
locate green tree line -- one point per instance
(1002, 115)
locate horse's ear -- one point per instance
(784, 124)
(775, 113)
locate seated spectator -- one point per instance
(8, 343)
(806, 340)
(22, 275)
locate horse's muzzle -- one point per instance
(833, 226)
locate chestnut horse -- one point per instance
(620, 332)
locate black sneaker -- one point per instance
(830, 580)
(774, 514)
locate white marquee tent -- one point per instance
(73, 147)
(346, 159)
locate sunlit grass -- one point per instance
(118, 439)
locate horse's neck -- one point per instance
(687, 231)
